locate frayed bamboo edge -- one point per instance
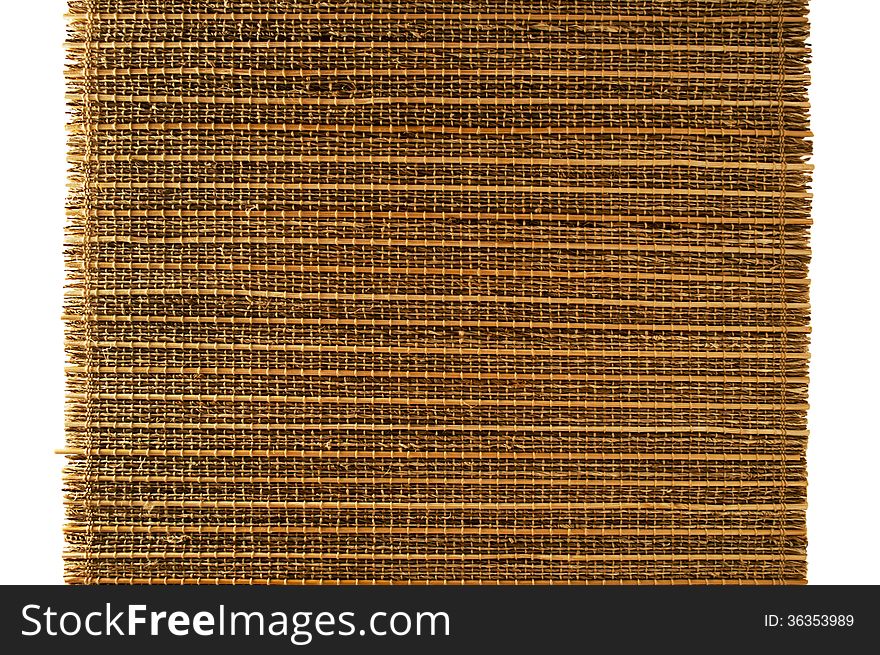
(77, 307)
(802, 207)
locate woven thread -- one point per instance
(498, 291)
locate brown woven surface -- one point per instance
(401, 291)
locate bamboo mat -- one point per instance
(391, 291)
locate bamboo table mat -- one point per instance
(495, 291)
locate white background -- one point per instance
(844, 452)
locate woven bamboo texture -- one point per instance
(391, 291)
